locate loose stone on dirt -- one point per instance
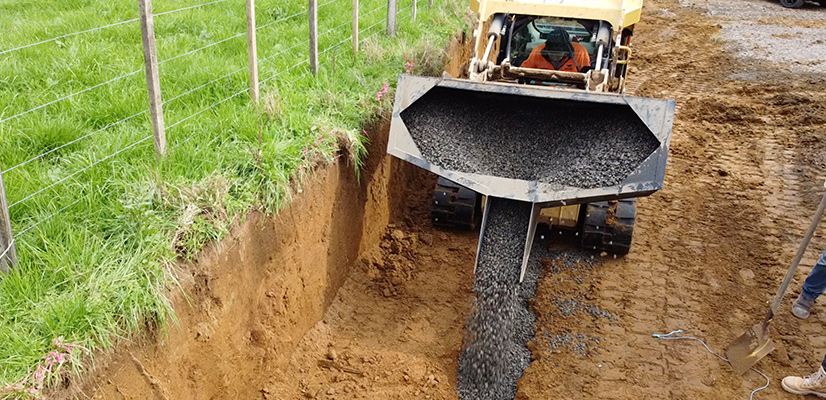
(501, 323)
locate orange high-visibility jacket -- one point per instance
(535, 60)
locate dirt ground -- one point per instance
(745, 173)
(744, 176)
(746, 168)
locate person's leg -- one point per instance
(816, 281)
(813, 287)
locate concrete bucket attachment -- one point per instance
(536, 144)
(533, 144)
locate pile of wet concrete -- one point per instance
(571, 143)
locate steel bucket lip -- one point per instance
(647, 178)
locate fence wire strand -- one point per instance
(80, 171)
(286, 70)
(307, 42)
(176, 145)
(290, 16)
(371, 27)
(205, 85)
(335, 46)
(71, 95)
(207, 109)
(74, 141)
(336, 27)
(115, 79)
(102, 27)
(202, 48)
(49, 217)
(188, 8)
(371, 12)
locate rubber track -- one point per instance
(609, 226)
(455, 206)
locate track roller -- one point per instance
(455, 206)
(609, 226)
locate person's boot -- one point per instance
(814, 384)
(802, 307)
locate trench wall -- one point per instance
(251, 298)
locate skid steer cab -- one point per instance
(575, 44)
(540, 116)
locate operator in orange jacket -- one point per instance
(558, 53)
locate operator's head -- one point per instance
(558, 40)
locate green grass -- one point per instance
(99, 269)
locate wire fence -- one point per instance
(155, 111)
(98, 28)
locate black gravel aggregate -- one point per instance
(501, 323)
(570, 143)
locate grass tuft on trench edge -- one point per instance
(100, 269)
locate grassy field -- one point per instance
(111, 217)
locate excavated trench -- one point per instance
(348, 292)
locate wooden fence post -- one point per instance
(355, 28)
(391, 17)
(415, 9)
(153, 83)
(252, 50)
(314, 36)
(8, 254)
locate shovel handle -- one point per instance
(796, 262)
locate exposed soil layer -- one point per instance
(571, 143)
(260, 294)
(331, 302)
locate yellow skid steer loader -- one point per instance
(540, 116)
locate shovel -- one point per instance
(753, 345)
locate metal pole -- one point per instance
(314, 36)
(430, 3)
(8, 254)
(355, 28)
(391, 17)
(415, 9)
(153, 83)
(252, 50)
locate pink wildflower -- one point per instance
(383, 91)
(409, 65)
(51, 363)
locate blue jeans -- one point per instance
(816, 281)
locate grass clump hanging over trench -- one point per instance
(99, 220)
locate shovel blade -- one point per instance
(749, 348)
